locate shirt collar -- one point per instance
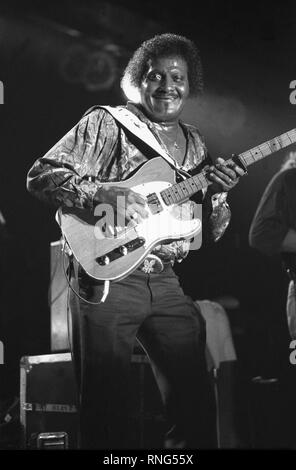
(136, 109)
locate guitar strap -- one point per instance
(138, 128)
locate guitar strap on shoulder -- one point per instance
(134, 125)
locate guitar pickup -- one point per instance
(154, 203)
(120, 251)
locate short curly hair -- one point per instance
(163, 45)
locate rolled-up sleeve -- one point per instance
(67, 174)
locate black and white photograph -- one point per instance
(147, 229)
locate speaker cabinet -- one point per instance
(48, 401)
(58, 292)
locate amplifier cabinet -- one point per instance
(58, 298)
(48, 402)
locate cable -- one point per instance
(106, 283)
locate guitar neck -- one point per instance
(180, 192)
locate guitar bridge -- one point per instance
(120, 251)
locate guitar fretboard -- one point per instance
(179, 192)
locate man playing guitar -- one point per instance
(149, 303)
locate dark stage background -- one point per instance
(57, 60)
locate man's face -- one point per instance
(165, 88)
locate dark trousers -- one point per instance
(154, 309)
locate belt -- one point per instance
(153, 264)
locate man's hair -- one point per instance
(163, 45)
(289, 161)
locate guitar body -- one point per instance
(106, 255)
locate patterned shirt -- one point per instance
(97, 149)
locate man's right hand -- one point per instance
(124, 201)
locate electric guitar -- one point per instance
(111, 252)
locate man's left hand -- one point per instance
(224, 177)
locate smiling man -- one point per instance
(165, 88)
(148, 304)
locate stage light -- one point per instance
(95, 69)
(100, 71)
(73, 63)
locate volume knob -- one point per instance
(123, 250)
